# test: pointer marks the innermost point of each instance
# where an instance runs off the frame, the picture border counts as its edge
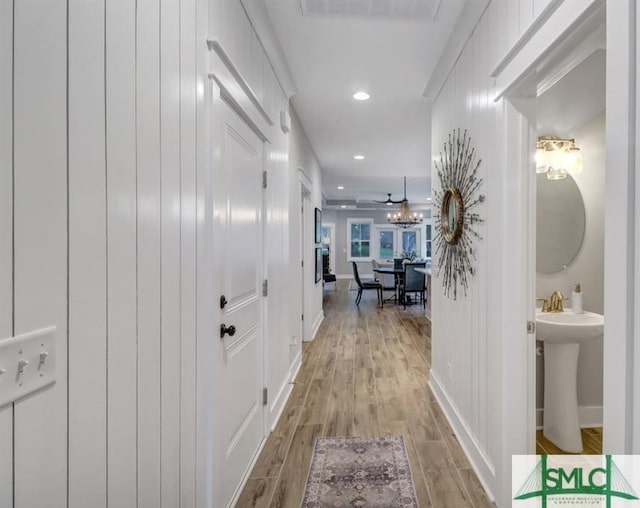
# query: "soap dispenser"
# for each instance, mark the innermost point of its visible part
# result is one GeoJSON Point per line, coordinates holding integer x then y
{"type": "Point", "coordinates": [576, 299]}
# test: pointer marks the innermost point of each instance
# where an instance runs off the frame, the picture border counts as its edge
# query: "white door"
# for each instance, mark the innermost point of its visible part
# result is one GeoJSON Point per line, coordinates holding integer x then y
{"type": "Point", "coordinates": [238, 414]}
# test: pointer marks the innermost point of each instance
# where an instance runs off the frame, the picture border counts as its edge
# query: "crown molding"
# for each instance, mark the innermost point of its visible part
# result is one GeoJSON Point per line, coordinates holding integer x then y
{"type": "Point", "coordinates": [262, 25]}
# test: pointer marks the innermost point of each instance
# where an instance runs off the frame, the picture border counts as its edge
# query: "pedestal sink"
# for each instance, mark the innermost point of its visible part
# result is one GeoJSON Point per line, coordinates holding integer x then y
{"type": "Point", "coordinates": [562, 333]}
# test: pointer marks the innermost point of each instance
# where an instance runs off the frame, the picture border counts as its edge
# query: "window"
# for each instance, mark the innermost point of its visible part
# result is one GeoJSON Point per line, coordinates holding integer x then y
{"type": "Point", "coordinates": [386, 243]}
{"type": "Point", "coordinates": [359, 239]}
{"type": "Point", "coordinates": [410, 243]}
{"type": "Point", "coordinates": [428, 245]}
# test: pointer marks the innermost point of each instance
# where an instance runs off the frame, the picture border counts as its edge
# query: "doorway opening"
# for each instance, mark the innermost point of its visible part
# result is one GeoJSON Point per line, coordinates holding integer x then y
{"type": "Point", "coordinates": [570, 197]}
{"type": "Point", "coordinates": [554, 105]}
{"type": "Point", "coordinates": [306, 261]}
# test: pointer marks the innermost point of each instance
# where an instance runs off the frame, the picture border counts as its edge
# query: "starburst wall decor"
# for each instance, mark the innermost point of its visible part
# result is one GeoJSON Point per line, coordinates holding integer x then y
{"type": "Point", "coordinates": [455, 217]}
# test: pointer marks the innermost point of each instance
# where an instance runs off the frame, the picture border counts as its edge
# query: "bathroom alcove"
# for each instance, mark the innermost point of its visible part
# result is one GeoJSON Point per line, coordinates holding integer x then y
{"type": "Point", "coordinates": [574, 107]}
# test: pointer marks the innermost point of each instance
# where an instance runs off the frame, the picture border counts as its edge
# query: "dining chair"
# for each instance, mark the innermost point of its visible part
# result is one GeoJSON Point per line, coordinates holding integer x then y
{"type": "Point", "coordinates": [375, 266]}
{"type": "Point", "coordinates": [413, 282]}
{"type": "Point", "coordinates": [366, 285]}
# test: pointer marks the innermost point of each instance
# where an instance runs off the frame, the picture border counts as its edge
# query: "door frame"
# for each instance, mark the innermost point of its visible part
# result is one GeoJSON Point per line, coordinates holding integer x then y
{"type": "Point", "coordinates": [332, 236]}
{"type": "Point", "coordinates": [217, 97]}
{"type": "Point", "coordinates": [304, 196]}
{"type": "Point", "coordinates": [621, 248]}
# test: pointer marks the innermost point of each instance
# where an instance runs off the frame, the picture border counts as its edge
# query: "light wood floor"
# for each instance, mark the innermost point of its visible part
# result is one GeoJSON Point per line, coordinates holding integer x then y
{"type": "Point", "coordinates": [365, 374]}
{"type": "Point", "coordinates": [591, 440]}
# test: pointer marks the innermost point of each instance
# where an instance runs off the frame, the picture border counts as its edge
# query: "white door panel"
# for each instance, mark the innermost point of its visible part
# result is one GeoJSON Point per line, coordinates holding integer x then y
{"type": "Point", "coordinates": [238, 358]}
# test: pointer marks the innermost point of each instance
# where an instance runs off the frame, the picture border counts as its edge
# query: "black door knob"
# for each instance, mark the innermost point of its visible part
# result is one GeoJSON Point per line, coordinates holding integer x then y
{"type": "Point", "coordinates": [223, 301]}
{"type": "Point", "coordinates": [224, 330]}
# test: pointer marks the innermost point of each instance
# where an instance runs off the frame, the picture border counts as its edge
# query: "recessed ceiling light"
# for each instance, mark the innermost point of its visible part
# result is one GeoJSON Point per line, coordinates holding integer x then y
{"type": "Point", "coordinates": [428, 199]}
{"type": "Point", "coordinates": [340, 187]}
{"type": "Point", "coordinates": [358, 157]}
{"type": "Point", "coordinates": [361, 96]}
{"type": "Point", "coordinates": [343, 206]}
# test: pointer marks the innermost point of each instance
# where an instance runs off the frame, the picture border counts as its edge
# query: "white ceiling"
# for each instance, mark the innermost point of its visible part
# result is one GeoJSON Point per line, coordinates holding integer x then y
{"type": "Point", "coordinates": [350, 45]}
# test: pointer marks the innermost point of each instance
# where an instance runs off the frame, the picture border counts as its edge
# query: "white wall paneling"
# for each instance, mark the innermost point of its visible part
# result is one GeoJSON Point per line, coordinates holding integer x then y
{"type": "Point", "coordinates": [40, 235]}
{"type": "Point", "coordinates": [87, 256]}
{"type": "Point", "coordinates": [102, 171]}
{"type": "Point", "coordinates": [477, 353]}
{"type": "Point", "coordinates": [6, 235]}
{"type": "Point", "coordinates": [149, 190]}
{"type": "Point", "coordinates": [170, 267]}
{"type": "Point", "coordinates": [122, 301]}
{"type": "Point", "coordinates": [188, 159]}
{"type": "Point", "coordinates": [103, 203]}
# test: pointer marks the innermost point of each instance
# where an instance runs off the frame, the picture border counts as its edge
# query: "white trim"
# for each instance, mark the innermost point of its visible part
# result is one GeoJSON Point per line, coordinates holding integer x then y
{"type": "Point", "coordinates": [217, 46]}
{"type": "Point", "coordinates": [479, 461]}
{"type": "Point", "coordinates": [262, 26]}
{"type": "Point", "coordinates": [316, 325]}
{"type": "Point", "coordinates": [332, 245]}
{"type": "Point", "coordinates": [356, 220]}
{"type": "Point", "coordinates": [595, 42]}
{"type": "Point", "coordinates": [620, 226]}
{"type": "Point", "coordinates": [280, 401]}
{"type": "Point", "coordinates": [526, 36]}
{"type": "Point", "coordinates": [568, 19]}
{"type": "Point", "coordinates": [589, 417]}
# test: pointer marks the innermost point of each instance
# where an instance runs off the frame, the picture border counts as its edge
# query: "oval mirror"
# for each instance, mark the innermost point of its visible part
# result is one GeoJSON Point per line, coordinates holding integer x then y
{"type": "Point", "coordinates": [560, 221]}
{"type": "Point", "coordinates": [452, 213]}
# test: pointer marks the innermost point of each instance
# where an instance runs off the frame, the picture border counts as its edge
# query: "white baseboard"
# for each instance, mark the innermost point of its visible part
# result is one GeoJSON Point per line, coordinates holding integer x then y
{"type": "Point", "coordinates": [479, 462]}
{"type": "Point", "coordinates": [589, 416]}
{"type": "Point", "coordinates": [280, 400]}
{"type": "Point", "coordinates": [316, 325]}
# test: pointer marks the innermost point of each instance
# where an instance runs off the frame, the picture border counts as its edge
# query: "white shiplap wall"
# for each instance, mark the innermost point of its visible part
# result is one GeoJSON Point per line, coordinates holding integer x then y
{"type": "Point", "coordinates": [468, 334]}
{"type": "Point", "coordinates": [6, 234]}
{"type": "Point", "coordinates": [103, 140]}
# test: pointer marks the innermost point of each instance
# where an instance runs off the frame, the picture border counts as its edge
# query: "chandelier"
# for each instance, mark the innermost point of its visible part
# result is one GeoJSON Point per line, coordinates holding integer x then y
{"type": "Point", "coordinates": [557, 157]}
{"type": "Point", "coordinates": [404, 218]}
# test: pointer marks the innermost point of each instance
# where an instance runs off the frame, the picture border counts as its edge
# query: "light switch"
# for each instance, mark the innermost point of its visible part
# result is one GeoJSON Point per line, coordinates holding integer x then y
{"type": "Point", "coordinates": [27, 364]}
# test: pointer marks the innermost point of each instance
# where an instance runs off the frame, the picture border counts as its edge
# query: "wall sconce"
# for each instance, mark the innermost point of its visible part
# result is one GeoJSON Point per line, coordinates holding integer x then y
{"type": "Point", "coordinates": [557, 157]}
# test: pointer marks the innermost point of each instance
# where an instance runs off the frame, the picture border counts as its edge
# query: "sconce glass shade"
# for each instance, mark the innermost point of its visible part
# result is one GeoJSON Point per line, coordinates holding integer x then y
{"type": "Point", "coordinates": [574, 160]}
{"type": "Point", "coordinates": [556, 174]}
{"type": "Point", "coordinates": [542, 165]}
{"type": "Point", "coordinates": [557, 157]}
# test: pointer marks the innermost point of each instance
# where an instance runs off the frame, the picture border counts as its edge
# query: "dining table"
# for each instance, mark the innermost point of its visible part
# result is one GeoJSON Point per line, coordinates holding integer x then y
{"type": "Point", "coordinates": [397, 273]}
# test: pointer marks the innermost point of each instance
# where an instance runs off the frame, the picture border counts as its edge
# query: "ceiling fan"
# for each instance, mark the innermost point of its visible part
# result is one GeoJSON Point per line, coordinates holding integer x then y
{"type": "Point", "coordinates": [389, 201]}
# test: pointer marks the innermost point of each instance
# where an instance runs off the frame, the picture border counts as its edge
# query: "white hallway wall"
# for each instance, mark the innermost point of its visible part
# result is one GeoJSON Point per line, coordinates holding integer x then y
{"type": "Point", "coordinates": [103, 140]}
{"type": "Point", "coordinates": [103, 161]}
{"type": "Point", "coordinates": [469, 372]}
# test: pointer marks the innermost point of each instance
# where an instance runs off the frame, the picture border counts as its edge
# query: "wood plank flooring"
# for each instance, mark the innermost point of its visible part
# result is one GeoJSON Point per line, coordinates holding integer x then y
{"type": "Point", "coordinates": [591, 440]}
{"type": "Point", "coordinates": [365, 374]}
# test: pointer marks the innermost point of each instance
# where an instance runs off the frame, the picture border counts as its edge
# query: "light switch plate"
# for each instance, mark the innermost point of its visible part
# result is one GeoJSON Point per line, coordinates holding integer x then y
{"type": "Point", "coordinates": [27, 364]}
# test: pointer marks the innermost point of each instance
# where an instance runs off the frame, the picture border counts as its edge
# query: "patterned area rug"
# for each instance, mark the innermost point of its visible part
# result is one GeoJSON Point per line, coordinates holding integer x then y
{"type": "Point", "coordinates": [360, 472]}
